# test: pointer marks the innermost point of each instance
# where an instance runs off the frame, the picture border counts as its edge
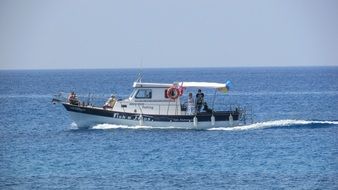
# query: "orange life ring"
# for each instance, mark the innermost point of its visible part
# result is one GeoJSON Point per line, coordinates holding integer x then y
{"type": "Point", "coordinates": [173, 93]}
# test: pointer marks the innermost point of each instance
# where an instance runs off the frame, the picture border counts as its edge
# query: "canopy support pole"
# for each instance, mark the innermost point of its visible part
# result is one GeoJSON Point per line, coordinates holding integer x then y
{"type": "Point", "coordinates": [214, 99]}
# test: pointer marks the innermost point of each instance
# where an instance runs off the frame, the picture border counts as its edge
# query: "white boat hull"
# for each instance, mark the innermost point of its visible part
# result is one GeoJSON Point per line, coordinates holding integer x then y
{"type": "Point", "coordinates": [84, 120]}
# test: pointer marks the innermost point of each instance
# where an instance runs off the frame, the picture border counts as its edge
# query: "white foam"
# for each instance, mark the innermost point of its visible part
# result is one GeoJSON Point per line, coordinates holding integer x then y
{"type": "Point", "coordinates": [73, 125]}
{"type": "Point", "coordinates": [270, 124]}
{"type": "Point", "coordinates": [259, 125]}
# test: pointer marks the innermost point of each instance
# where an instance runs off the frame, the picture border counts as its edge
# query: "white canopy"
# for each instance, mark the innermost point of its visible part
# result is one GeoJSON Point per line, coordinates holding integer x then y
{"type": "Point", "coordinates": [215, 85]}
{"type": "Point", "coordinates": [201, 84]}
{"type": "Point", "coordinates": [151, 85]}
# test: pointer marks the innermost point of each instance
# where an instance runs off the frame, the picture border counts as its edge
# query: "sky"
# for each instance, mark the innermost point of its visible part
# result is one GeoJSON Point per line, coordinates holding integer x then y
{"type": "Point", "coordinates": [84, 34]}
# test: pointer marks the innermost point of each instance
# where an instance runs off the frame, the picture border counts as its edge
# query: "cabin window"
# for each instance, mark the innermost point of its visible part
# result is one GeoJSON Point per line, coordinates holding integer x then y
{"type": "Point", "coordinates": [166, 93]}
{"type": "Point", "coordinates": [144, 94]}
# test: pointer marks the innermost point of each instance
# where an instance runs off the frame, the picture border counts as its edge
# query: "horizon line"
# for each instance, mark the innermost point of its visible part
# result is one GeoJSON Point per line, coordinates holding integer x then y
{"type": "Point", "coordinates": [130, 68]}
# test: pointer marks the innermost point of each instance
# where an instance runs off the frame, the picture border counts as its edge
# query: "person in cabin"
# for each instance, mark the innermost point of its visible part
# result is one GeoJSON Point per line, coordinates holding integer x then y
{"type": "Point", "coordinates": [199, 100]}
{"type": "Point", "coordinates": [110, 102]}
{"type": "Point", "coordinates": [191, 105]}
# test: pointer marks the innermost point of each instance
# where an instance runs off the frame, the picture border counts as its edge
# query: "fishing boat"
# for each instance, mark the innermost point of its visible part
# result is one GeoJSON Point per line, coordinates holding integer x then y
{"type": "Point", "coordinates": [158, 105]}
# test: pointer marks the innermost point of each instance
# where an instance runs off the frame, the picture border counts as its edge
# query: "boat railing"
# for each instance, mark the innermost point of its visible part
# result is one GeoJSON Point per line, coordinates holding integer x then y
{"type": "Point", "coordinates": [60, 97]}
{"type": "Point", "coordinates": [89, 99]}
{"type": "Point", "coordinates": [226, 102]}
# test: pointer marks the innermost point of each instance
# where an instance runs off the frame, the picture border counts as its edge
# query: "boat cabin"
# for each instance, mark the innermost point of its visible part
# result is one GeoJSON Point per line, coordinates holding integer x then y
{"type": "Point", "coordinates": [150, 98]}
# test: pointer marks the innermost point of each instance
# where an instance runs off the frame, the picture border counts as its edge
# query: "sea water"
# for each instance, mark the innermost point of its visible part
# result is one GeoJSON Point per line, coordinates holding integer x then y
{"type": "Point", "coordinates": [292, 142]}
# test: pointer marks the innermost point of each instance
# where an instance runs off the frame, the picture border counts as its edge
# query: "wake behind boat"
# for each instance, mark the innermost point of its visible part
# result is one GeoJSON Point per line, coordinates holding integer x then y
{"type": "Point", "coordinates": [157, 105]}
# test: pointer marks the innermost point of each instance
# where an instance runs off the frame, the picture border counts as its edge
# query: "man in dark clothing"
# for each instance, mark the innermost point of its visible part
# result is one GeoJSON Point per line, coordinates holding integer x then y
{"type": "Point", "coordinates": [199, 100]}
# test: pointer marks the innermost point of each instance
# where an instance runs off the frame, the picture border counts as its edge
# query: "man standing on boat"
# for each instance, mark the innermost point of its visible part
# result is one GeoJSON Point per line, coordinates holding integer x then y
{"type": "Point", "coordinates": [199, 100]}
{"type": "Point", "coordinates": [72, 99]}
{"type": "Point", "coordinates": [110, 102]}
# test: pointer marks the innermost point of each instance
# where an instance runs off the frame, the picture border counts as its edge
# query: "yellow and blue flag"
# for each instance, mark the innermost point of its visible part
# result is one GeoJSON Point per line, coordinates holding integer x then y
{"type": "Point", "coordinates": [225, 89]}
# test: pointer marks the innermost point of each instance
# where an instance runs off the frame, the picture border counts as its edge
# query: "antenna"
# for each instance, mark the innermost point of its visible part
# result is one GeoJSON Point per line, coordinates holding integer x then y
{"type": "Point", "coordinates": [141, 63]}
{"type": "Point", "coordinates": [140, 73]}
{"type": "Point", "coordinates": [139, 77]}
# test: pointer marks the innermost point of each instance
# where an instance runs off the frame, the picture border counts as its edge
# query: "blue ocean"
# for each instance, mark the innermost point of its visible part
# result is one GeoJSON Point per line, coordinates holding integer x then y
{"type": "Point", "coordinates": [291, 143]}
